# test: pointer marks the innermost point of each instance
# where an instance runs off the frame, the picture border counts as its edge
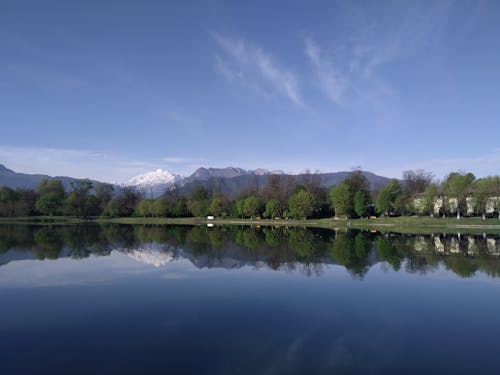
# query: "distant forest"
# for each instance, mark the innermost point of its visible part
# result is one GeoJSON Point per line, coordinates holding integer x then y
{"type": "Point", "coordinates": [281, 197]}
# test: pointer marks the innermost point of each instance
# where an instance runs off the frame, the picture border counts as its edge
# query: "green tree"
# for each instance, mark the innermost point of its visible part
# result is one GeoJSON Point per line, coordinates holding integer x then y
{"type": "Point", "coordinates": [430, 199]}
{"type": "Point", "coordinates": [198, 208]}
{"type": "Point", "coordinates": [198, 202]}
{"type": "Point", "coordinates": [180, 208]}
{"type": "Point", "coordinates": [273, 209]}
{"type": "Point", "coordinates": [8, 199]}
{"type": "Point", "coordinates": [49, 203]}
{"type": "Point", "coordinates": [145, 207]}
{"type": "Point", "coordinates": [360, 203]}
{"type": "Point", "coordinates": [51, 186]}
{"type": "Point", "coordinates": [387, 197]}
{"type": "Point", "coordinates": [301, 204]}
{"type": "Point", "coordinates": [239, 208]}
{"type": "Point", "coordinates": [78, 200]}
{"type": "Point", "coordinates": [458, 186]}
{"type": "Point", "coordinates": [51, 196]}
{"type": "Point", "coordinates": [160, 208]}
{"type": "Point", "coordinates": [340, 198]}
{"type": "Point", "coordinates": [482, 192]}
{"type": "Point", "coordinates": [104, 193]}
{"type": "Point", "coordinates": [251, 206]}
{"type": "Point", "coordinates": [219, 207]}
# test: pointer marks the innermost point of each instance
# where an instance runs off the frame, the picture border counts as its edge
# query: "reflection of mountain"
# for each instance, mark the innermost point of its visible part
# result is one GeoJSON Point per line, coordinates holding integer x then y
{"type": "Point", "coordinates": [276, 248]}
{"type": "Point", "coordinates": [13, 255]}
{"type": "Point", "coordinates": [153, 257]}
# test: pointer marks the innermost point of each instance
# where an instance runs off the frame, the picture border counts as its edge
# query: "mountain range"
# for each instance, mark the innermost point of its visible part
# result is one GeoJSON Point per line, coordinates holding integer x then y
{"type": "Point", "coordinates": [230, 180]}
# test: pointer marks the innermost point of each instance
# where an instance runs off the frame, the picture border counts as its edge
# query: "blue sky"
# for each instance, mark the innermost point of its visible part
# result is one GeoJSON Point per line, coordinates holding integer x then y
{"type": "Point", "coordinates": [111, 89]}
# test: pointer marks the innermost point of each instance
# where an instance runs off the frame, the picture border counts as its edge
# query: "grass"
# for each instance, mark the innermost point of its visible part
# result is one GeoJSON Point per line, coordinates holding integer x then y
{"type": "Point", "coordinates": [404, 224]}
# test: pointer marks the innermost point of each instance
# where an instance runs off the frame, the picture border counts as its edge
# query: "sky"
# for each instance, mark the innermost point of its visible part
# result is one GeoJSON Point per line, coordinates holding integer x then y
{"type": "Point", "coordinates": [108, 90]}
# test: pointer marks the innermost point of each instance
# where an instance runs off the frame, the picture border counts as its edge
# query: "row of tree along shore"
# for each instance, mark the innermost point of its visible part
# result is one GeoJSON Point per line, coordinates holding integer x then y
{"type": "Point", "coordinates": [280, 248]}
{"type": "Point", "coordinates": [418, 193]}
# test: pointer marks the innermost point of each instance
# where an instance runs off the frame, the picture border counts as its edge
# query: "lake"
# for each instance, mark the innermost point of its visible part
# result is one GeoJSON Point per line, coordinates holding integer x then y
{"type": "Point", "coordinates": [179, 299]}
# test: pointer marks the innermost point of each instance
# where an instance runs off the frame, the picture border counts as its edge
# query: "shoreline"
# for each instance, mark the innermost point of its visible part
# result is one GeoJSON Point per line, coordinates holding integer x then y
{"type": "Point", "coordinates": [408, 225]}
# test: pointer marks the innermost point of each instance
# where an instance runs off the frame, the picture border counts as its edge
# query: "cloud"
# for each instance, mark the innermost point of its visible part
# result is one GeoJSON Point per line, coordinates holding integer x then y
{"type": "Point", "coordinates": [253, 67]}
{"type": "Point", "coordinates": [349, 65]}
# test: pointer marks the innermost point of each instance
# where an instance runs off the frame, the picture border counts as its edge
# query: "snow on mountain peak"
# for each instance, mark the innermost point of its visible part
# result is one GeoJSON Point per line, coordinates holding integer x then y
{"type": "Point", "coordinates": [158, 177]}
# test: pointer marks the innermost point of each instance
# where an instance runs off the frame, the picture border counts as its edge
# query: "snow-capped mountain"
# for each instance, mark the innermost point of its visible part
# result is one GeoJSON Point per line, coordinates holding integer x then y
{"type": "Point", "coordinates": [160, 176]}
{"type": "Point", "coordinates": [154, 183]}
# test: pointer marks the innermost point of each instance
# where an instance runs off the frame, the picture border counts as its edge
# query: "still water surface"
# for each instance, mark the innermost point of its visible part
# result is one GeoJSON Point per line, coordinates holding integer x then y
{"type": "Point", "coordinates": [176, 299]}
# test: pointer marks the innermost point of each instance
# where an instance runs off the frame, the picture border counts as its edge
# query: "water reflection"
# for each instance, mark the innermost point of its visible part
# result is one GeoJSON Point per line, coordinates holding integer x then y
{"type": "Point", "coordinates": [306, 250]}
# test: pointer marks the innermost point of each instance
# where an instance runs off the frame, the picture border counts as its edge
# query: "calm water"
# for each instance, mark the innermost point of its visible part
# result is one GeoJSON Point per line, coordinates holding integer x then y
{"type": "Point", "coordinates": [169, 299]}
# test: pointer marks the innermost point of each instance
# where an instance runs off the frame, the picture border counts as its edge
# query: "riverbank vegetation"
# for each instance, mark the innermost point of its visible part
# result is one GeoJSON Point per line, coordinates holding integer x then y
{"type": "Point", "coordinates": [282, 198]}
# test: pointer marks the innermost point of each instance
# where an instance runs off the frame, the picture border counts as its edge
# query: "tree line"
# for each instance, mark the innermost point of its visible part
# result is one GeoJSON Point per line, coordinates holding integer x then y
{"type": "Point", "coordinates": [418, 192]}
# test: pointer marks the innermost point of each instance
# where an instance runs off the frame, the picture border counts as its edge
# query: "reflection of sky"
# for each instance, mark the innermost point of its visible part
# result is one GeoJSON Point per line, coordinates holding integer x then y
{"type": "Point", "coordinates": [179, 318]}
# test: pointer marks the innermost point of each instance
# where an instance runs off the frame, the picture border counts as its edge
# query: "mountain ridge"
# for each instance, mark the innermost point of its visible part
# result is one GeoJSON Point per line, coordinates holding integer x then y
{"type": "Point", "coordinates": [229, 180]}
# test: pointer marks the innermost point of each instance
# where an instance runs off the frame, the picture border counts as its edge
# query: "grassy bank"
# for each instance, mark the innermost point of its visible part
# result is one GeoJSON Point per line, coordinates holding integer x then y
{"type": "Point", "coordinates": [396, 224]}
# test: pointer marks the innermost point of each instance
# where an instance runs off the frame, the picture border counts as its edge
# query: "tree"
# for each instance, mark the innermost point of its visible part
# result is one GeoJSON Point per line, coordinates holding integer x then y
{"type": "Point", "coordinates": [357, 182]}
{"type": "Point", "coordinates": [49, 203]}
{"type": "Point", "coordinates": [458, 185]}
{"type": "Point", "coordinates": [239, 208]}
{"type": "Point", "coordinates": [8, 198]}
{"type": "Point", "coordinates": [219, 207]}
{"type": "Point", "coordinates": [25, 205]}
{"type": "Point", "coordinates": [51, 196]}
{"type": "Point", "coordinates": [198, 201]}
{"type": "Point", "coordinates": [198, 208]}
{"type": "Point", "coordinates": [484, 191]}
{"type": "Point", "coordinates": [51, 186]}
{"type": "Point", "coordinates": [387, 197]}
{"type": "Point", "coordinates": [160, 208]}
{"type": "Point", "coordinates": [180, 208]}
{"type": "Point", "coordinates": [301, 204]}
{"type": "Point", "coordinates": [360, 203]}
{"type": "Point", "coordinates": [340, 198]}
{"type": "Point", "coordinates": [251, 206]}
{"type": "Point", "coordinates": [416, 181]}
{"type": "Point", "coordinates": [430, 199]}
{"type": "Point", "coordinates": [273, 209]}
{"type": "Point", "coordinates": [104, 193]}
{"type": "Point", "coordinates": [145, 208]}
{"type": "Point", "coordinates": [78, 200]}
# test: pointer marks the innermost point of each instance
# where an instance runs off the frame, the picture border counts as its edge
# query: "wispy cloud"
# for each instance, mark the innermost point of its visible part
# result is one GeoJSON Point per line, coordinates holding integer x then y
{"type": "Point", "coordinates": [253, 67]}
{"type": "Point", "coordinates": [349, 65]}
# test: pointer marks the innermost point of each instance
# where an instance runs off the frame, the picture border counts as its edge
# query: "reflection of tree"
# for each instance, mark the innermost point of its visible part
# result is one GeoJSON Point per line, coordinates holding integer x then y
{"type": "Point", "coordinates": [197, 240]}
{"type": "Point", "coordinates": [461, 265]}
{"type": "Point", "coordinates": [248, 238]}
{"type": "Point", "coordinates": [285, 249]}
{"type": "Point", "coordinates": [49, 243]}
{"type": "Point", "coordinates": [344, 251]}
{"type": "Point", "coordinates": [388, 252]}
{"type": "Point", "coordinates": [416, 263]}
{"type": "Point", "coordinates": [273, 237]}
{"type": "Point", "coordinates": [301, 242]}
{"type": "Point", "coordinates": [83, 240]}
